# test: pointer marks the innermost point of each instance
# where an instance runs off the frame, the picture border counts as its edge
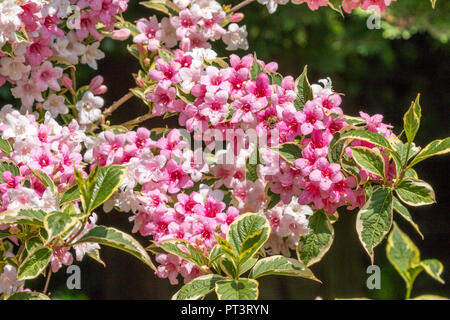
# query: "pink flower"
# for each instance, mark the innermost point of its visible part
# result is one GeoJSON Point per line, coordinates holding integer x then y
{"type": "Point", "coordinates": [148, 32]}
{"type": "Point", "coordinates": [166, 71]}
{"type": "Point", "coordinates": [47, 76]}
{"type": "Point", "coordinates": [215, 106]}
{"type": "Point", "coordinates": [176, 179]}
{"type": "Point", "coordinates": [245, 109]}
{"type": "Point", "coordinates": [324, 174]}
{"type": "Point", "coordinates": [38, 51]}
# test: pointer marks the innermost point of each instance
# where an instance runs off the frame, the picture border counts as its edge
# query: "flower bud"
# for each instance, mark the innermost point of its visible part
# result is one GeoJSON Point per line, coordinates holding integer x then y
{"type": "Point", "coordinates": [66, 81]}
{"type": "Point", "coordinates": [96, 85]}
{"type": "Point", "coordinates": [236, 17]}
{"type": "Point", "coordinates": [121, 34]}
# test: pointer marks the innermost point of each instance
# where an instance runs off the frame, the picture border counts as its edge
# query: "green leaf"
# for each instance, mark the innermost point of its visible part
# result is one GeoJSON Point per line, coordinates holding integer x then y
{"type": "Point", "coordinates": [375, 219]}
{"type": "Point", "coordinates": [95, 255]}
{"type": "Point", "coordinates": [6, 165]}
{"type": "Point", "coordinates": [242, 289]}
{"type": "Point", "coordinates": [434, 148]}
{"type": "Point", "coordinates": [251, 165]}
{"type": "Point", "coordinates": [227, 248]}
{"type": "Point", "coordinates": [56, 223]}
{"type": "Point", "coordinates": [280, 265]}
{"type": "Point", "coordinates": [33, 243]}
{"type": "Point", "coordinates": [185, 250]}
{"type": "Point", "coordinates": [411, 119]}
{"type": "Point", "coordinates": [5, 147]}
{"type": "Point", "coordinates": [73, 194]}
{"type": "Point", "coordinates": [23, 216]}
{"type": "Point", "coordinates": [34, 263]}
{"type": "Point", "coordinates": [255, 69]}
{"type": "Point", "coordinates": [370, 160]}
{"type": "Point", "coordinates": [303, 90]}
{"type": "Point", "coordinates": [243, 237]}
{"type": "Point", "coordinates": [313, 246]}
{"type": "Point", "coordinates": [372, 137]}
{"type": "Point", "coordinates": [197, 288]}
{"type": "Point", "coordinates": [28, 296]}
{"type": "Point", "coordinates": [403, 211]}
{"type": "Point", "coordinates": [405, 151]}
{"type": "Point", "coordinates": [165, 54]}
{"type": "Point", "coordinates": [44, 179]}
{"type": "Point", "coordinates": [228, 266]}
{"type": "Point", "coordinates": [434, 269]}
{"type": "Point", "coordinates": [415, 192]}
{"type": "Point", "coordinates": [251, 245]}
{"type": "Point", "coordinates": [289, 151]}
{"type": "Point", "coordinates": [403, 254]}
{"type": "Point", "coordinates": [100, 185]}
{"type": "Point", "coordinates": [247, 265]}
{"type": "Point", "coordinates": [117, 239]}
{"type": "Point", "coordinates": [160, 6]}
{"type": "Point", "coordinates": [274, 199]}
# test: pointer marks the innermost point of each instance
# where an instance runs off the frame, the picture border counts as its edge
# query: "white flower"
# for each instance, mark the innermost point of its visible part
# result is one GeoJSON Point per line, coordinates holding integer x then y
{"type": "Point", "coordinates": [272, 4]}
{"type": "Point", "coordinates": [49, 201]}
{"type": "Point", "coordinates": [194, 164]}
{"type": "Point", "coordinates": [324, 89]}
{"type": "Point", "coordinates": [190, 76]}
{"type": "Point", "coordinates": [14, 68]}
{"type": "Point", "coordinates": [92, 54]}
{"type": "Point", "coordinates": [18, 127]}
{"type": "Point", "coordinates": [55, 104]}
{"type": "Point", "coordinates": [168, 33]}
{"type": "Point", "coordinates": [236, 37]}
{"type": "Point", "coordinates": [9, 20]}
{"type": "Point", "coordinates": [205, 191]}
{"type": "Point", "coordinates": [23, 197]}
{"type": "Point", "coordinates": [22, 149]}
{"type": "Point", "coordinates": [60, 7]}
{"type": "Point", "coordinates": [69, 47]}
{"type": "Point", "coordinates": [182, 3]}
{"type": "Point", "coordinates": [8, 280]}
{"type": "Point", "coordinates": [89, 108]}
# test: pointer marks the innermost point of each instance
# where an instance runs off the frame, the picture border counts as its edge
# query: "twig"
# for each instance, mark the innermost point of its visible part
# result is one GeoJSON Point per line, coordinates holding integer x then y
{"type": "Point", "coordinates": [117, 104]}
{"type": "Point", "coordinates": [241, 5]}
{"type": "Point", "coordinates": [48, 280]}
{"type": "Point", "coordinates": [138, 120]}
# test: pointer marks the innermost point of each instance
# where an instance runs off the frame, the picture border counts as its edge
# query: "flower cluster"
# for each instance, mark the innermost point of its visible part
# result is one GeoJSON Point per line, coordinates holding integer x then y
{"type": "Point", "coordinates": [347, 5]}
{"type": "Point", "coordinates": [40, 40]}
{"type": "Point", "coordinates": [197, 23]}
{"type": "Point", "coordinates": [40, 148]}
{"type": "Point", "coordinates": [158, 189]}
{"type": "Point", "coordinates": [226, 101]}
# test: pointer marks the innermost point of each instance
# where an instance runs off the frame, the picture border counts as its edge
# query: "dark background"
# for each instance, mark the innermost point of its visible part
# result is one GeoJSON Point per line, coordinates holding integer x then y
{"type": "Point", "coordinates": [377, 75]}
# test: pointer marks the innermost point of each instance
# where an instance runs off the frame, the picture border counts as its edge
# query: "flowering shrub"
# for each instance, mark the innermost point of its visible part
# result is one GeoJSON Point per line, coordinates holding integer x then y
{"type": "Point", "coordinates": [251, 181]}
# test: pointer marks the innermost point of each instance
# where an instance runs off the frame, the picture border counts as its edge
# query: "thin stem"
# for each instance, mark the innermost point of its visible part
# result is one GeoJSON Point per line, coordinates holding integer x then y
{"type": "Point", "coordinates": [117, 104]}
{"type": "Point", "coordinates": [138, 120]}
{"type": "Point", "coordinates": [408, 292]}
{"type": "Point", "coordinates": [241, 5]}
{"type": "Point", "coordinates": [47, 282]}
{"type": "Point", "coordinates": [74, 79]}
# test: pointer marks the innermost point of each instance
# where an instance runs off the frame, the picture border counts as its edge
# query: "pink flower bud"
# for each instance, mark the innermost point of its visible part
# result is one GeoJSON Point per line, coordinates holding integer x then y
{"type": "Point", "coordinates": [96, 82]}
{"type": "Point", "coordinates": [96, 85]}
{"type": "Point", "coordinates": [66, 81]}
{"type": "Point", "coordinates": [237, 17]}
{"type": "Point", "coordinates": [140, 82]}
{"type": "Point", "coordinates": [121, 34]}
{"type": "Point", "coordinates": [272, 66]}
